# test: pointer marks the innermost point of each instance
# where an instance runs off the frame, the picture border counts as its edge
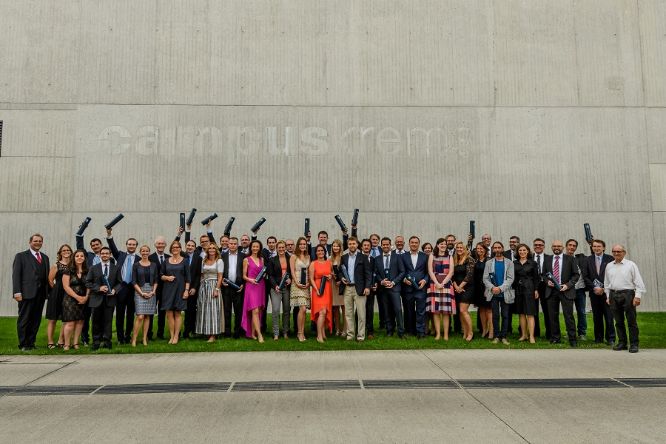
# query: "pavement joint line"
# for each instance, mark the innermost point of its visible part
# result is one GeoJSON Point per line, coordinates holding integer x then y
{"type": "Point", "coordinates": [231, 386]}
{"type": "Point", "coordinates": [621, 382]}
{"type": "Point", "coordinates": [49, 373]}
{"type": "Point", "coordinates": [97, 390]}
{"type": "Point", "coordinates": [360, 382]}
{"type": "Point", "coordinates": [468, 393]}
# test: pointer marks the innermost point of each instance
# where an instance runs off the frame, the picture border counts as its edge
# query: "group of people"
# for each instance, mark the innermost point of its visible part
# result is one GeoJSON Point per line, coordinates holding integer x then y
{"type": "Point", "coordinates": [419, 289]}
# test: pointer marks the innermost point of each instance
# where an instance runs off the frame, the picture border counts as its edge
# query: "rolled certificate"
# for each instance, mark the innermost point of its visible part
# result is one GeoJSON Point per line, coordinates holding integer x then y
{"type": "Point", "coordinates": [231, 284]}
{"type": "Point", "coordinates": [491, 276]}
{"type": "Point", "coordinates": [283, 281]}
{"type": "Point", "coordinates": [345, 273]}
{"type": "Point", "coordinates": [83, 226]}
{"type": "Point", "coordinates": [354, 221]}
{"type": "Point", "coordinates": [472, 228]}
{"type": "Point", "coordinates": [190, 218]}
{"type": "Point", "coordinates": [342, 225]}
{"type": "Point", "coordinates": [209, 219]}
{"type": "Point", "coordinates": [260, 275]}
{"type": "Point", "coordinates": [227, 227]}
{"type": "Point", "coordinates": [258, 225]}
{"type": "Point", "coordinates": [105, 280]}
{"type": "Point", "coordinates": [412, 281]}
{"type": "Point", "coordinates": [115, 220]}
{"type": "Point", "coordinates": [322, 286]}
{"type": "Point", "coordinates": [588, 233]}
{"type": "Point", "coordinates": [182, 221]}
{"type": "Point", "coordinates": [304, 276]}
{"type": "Point", "coordinates": [551, 278]}
{"type": "Point", "coordinates": [306, 230]}
{"type": "Point", "coordinates": [598, 284]}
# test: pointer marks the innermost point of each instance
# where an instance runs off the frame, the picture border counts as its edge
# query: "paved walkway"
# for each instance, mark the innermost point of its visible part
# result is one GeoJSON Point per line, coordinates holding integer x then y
{"type": "Point", "coordinates": [383, 396]}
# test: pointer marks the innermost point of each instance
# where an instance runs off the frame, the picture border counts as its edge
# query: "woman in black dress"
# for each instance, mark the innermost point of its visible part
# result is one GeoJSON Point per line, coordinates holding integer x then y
{"type": "Point", "coordinates": [175, 273]}
{"type": "Point", "coordinates": [54, 304]}
{"type": "Point", "coordinates": [75, 299]}
{"type": "Point", "coordinates": [485, 311]}
{"type": "Point", "coordinates": [525, 284]}
{"type": "Point", "coordinates": [463, 283]}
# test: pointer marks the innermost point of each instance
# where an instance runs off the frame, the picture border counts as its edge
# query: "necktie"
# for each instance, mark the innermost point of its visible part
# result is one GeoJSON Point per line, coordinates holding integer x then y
{"type": "Point", "coordinates": [39, 258]}
{"type": "Point", "coordinates": [539, 263]}
{"type": "Point", "coordinates": [161, 259]}
{"type": "Point", "coordinates": [190, 259]}
{"type": "Point", "coordinates": [106, 270]}
{"type": "Point", "coordinates": [127, 271]}
{"type": "Point", "coordinates": [386, 262]}
{"type": "Point", "coordinates": [598, 264]}
{"type": "Point", "coordinates": [556, 269]}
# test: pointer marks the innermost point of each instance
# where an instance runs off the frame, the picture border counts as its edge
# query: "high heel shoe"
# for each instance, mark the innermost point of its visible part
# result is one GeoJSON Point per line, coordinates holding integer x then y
{"type": "Point", "coordinates": [133, 343]}
{"type": "Point", "coordinates": [261, 339]}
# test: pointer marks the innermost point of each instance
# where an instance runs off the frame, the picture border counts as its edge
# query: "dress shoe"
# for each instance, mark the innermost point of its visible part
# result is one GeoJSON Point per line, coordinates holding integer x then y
{"type": "Point", "coordinates": [401, 336]}
{"type": "Point", "coordinates": [573, 344]}
{"type": "Point", "coordinates": [504, 341]}
{"type": "Point", "coordinates": [25, 349]}
{"type": "Point", "coordinates": [611, 343]}
{"type": "Point", "coordinates": [619, 346]}
{"type": "Point", "coordinates": [236, 335]}
{"type": "Point", "coordinates": [371, 336]}
{"type": "Point", "coordinates": [555, 341]}
{"type": "Point", "coordinates": [95, 346]}
{"type": "Point", "coordinates": [633, 348]}
{"type": "Point", "coordinates": [598, 341]}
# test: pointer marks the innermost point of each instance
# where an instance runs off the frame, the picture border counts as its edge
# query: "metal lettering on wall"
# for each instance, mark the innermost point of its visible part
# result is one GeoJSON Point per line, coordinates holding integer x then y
{"type": "Point", "coordinates": [188, 141]}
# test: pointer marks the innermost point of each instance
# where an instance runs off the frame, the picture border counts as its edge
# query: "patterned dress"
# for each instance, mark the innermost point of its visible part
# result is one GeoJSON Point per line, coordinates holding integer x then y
{"type": "Point", "coordinates": [440, 300]}
{"type": "Point", "coordinates": [71, 309]}
{"type": "Point", "coordinates": [56, 296]}
{"type": "Point", "coordinates": [300, 297]}
{"type": "Point", "coordinates": [209, 307]}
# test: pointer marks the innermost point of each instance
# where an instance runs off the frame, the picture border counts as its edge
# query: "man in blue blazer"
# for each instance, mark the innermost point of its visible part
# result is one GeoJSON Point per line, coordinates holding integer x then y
{"type": "Point", "coordinates": [390, 273]}
{"type": "Point", "coordinates": [416, 279]}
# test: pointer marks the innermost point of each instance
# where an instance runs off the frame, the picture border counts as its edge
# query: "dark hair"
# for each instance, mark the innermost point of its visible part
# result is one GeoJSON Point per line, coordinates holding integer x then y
{"type": "Point", "coordinates": [95, 239]}
{"type": "Point", "coordinates": [495, 243]}
{"type": "Point", "coordinates": [261, 247]}
{"type": "Point", "coordinates": [515, 237]}
{"type": "Point", "coordinates": [414, 237]}
{"type": "Point", "coordinates": [482, 245]}
{"type": "Point", "coordinates": [571, 240]}
{"type": "Point", "coordinates": [523, 245]}
{"type": "Point", "coordinates": [539, 239]}
{"type": "Point", "coordinates": [104, 248]}
{"type": "Point", "coordinates": [435, 250]}
{"type": "Point", "coordinates": [322, 232]}
{"type": "Point", "coordinates": [233, 238]}
{"type": "Point", "coordinates": [423, 247]}
{"type": "Point", "coordinates": [450, 235]}
{"type": "Point", "coordinates": [36, 235]}
{"type": "Point", "coordinates": [318, 247]}
{"type": "Point", "coordinates": [271, 237]}
{"type": "Point", "coordinates": [352, 238]}
{"type": "Point", "coordinates": [173, 244]}
{"type": "Point", "coordinates": [385, 238]}
{"type": "Point", "coordinates": [191, 241]}
{"type": "Point", "coordinates": [59, 254]}
{"type": "Point", "coordinates": [600, 241]}
{"type": "Point", "coordinates": [131, 238]}
{"type": "Point", "coordinates": [84, 265]}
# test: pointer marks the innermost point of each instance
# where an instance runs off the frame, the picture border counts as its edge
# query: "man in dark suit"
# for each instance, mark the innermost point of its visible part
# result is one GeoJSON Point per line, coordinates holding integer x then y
{"type": "Point", "coordinates": [125, 296]}
{"type": "Point", "coordinates": [322, 236]}
{"type": "Point", "coordinates": [92, 258]}
{"type": "Point", "coordinates": [356, 289]}
{"type": "Point", "coordinates": [594, 271]}
{"type": "Point", "coordinates": [231, 297]}
{"type": "Point", "coordinates": [268, 252]}
{"type": "Point", "coordinates": [104, 281]}
{"type": "Point", "coordinates": [564, 273]}
{"type": "Point", "coordinates": [366, 249]}
{"type": "Point", "coordinates": [30, 286]}
{"type": "Point", "coordinates": [541, 258]}
{"type": "Point", "coordinates": [374, 251]}
{"type": "Point", "coordinates": [391, 272]}
{"type": "Point", "coordinates": [414, 296]}
{"type": "Point", "coordinates": [158, 257]}
{"type": "Point", "coordinates": [194, 260]}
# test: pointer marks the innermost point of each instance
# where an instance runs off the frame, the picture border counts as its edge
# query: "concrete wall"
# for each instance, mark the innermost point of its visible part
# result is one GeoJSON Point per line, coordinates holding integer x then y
{"type": "Point", "coordinates": [530, 117]}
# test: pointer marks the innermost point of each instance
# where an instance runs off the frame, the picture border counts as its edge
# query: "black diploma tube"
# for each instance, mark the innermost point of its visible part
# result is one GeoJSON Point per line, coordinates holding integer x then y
{"type": "Point", "coordinates": [412, 281]}
{"type": "Point", "coordinates": [345, 273]}
{"type": "Point", "coordinates": [260, 275]}
{"type": "Point", "coordinates": [283, 280]}
{"type": "Point", "coordinates": [227, 227]}
{"type": "Point", "coordinates": [304, 276]}
{"type": "Point", "coordinates": [588, 233]}
{"type": "Point", "coordinates": [231, 284]}
{"type": "Point", "coordinates": [258, 225]}
{"type": "Point", "coordinates": [182, 221]}
{"type": "Point", "coordinates": [354, 221]}
{"type": "Point", "coordinates": [190, 218]}
{"type": "Point", "coordinates": [338, 219]}
{"type": "Point", "coordinates": [472, 228]}
{"type": "Point", "coordinates": [105, 280]}
{"type": "Point", "coordinates": [322, 286]}
{"type": "Point", "coordinates": [491, 276]}
{"type": "Point", "coordinates": [209, 219]}
{"type": "Point", "coordinates": [306, 229]}
{"type": "Point", "coordinates": [83, 226]}
{"type": "Point", "coordinates": [551, 278]}
{"type": "Point", "coordinates": [115, 220]}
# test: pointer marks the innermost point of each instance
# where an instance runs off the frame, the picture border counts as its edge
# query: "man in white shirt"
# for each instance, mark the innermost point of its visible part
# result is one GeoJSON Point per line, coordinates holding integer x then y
{"type": "Point", "coordinates": [624, 288]}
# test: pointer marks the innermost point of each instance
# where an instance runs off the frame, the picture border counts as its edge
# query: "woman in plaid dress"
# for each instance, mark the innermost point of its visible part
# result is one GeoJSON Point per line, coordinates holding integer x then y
{"type": "Point", "coordinates": [440, 300]}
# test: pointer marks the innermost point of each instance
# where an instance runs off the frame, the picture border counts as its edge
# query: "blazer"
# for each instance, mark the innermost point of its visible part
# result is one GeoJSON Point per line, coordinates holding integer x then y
{"type": "Point", "coordinates": [239, 267]}
{"type": "Point", "coordinates": [120, 256]}
{"type": "Point", "coordinates": [95, 279]}
{"type": "Point", "coordinates": [568, 276]}
{"type": "Point", "coordinates": [362, 272]}
{"type": "Point", "coordinates": [27, 278]}
{"type": "Point", "coordinates": [90, 256]}
{"type": "Point", "coordinates": [507, 285]}
{"type": "Point", "coordinates": [589, 270]}
{"type": "Point", "coordinates": [313, 251]}
{"type": "Point", "coordinates": [418, 273]}
{"type": "Point", "coordinates": [274, 270]}
{"type": "Point", "coordinates": [396, 272]}
{"type": "Point", "coordinates": [195, 270]}
{"type": "Point", "coordinates": [154, 258]}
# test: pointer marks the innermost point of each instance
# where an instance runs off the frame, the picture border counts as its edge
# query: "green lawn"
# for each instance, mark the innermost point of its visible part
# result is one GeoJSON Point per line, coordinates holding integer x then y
{"type": "Point", "coordinates": [652, 335]}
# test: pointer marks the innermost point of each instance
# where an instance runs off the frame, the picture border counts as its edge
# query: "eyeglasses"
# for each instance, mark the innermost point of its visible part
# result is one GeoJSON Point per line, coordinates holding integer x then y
{"type": "Point", "coordinates": [617, 251]}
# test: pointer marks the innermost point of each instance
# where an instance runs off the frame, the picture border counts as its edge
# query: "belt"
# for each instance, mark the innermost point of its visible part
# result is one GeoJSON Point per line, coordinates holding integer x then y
{"type": "Point", "coordinates": [621, 291]}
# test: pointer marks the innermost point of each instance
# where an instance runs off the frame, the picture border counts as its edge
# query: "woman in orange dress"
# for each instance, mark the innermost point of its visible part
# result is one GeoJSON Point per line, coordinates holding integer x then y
{"type": "Point", "coordinates": [321, 305]}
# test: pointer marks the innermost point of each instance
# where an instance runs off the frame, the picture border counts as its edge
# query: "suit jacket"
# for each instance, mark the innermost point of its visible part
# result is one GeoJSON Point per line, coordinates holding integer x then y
{"type": "Point", "coordinates": [95, 279]}
{"type": "Point", "coordinates": [362, 271]}
{"type": "Point", "coordinates": [239, 267]}
{"type": "Point", "coordinates": [90, 256]}
{"type": "Point", "coordinates": [396, 271]}
{"type": "Point", "coordinates": [418, 273]}
{"type": "Point", "coordinates": [28, 278]}
{"type": "Point", "coordinates": [510, 254]}
{"type": "Point", "coordinates": [589, 270]}
{"type": "Point", "coordinates": [154, 258]}
{"type": "Point", "coordinates": [274, 270]}
{"type": "Point", "coordinates": [195, 271]}
{"type": "Point", "coordinates": [120, 256]}
{"type": "Point", "coordinates": [568, 275]}
{"type": "Point", "coordinates": [313, 251]}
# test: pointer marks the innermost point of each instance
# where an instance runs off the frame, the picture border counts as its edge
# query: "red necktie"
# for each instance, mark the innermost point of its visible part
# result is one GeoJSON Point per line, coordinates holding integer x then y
{"type": "Point", "coordinates": [39, 258]}
{"type": "Point", "coordinates": [556, 269]}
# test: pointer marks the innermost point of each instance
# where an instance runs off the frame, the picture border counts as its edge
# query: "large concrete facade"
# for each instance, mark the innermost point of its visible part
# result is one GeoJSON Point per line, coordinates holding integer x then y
{"type": "Point", "coordinates": [531, 117]}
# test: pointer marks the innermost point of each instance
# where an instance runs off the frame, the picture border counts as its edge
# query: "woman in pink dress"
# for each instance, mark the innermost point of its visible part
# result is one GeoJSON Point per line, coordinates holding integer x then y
{"type": "Point", "coordinates": [253, 303]}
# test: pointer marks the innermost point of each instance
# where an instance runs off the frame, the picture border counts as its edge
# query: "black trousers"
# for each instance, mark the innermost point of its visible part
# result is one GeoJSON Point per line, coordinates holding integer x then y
{"type": "Point", "coordinates": [554, 302]}
{"type": "Point", "coordinates": [232, 299]}
{"type": "Point", "coordinates": [409, 306]}
{"type": "Point", "coordinates": [102, 318]}
{"type": "Point", "coordinates": [621, 304]}
{"type": "Point", "coordinates": [546, 315]}
{"type": "Point", "coordinates": [392, 311]}
{"type": "Point", "coordinates": [370, 313]}
{"type": "Point", "coordinates": [380, 308]}
{"type": "Point", "coordinates": [602, 318]}
{"type": "Point", "coordinates": [85, 333]}
{"type": "Point", "coordinates": [161, 317]}
{"type": "Point", "coordinates": [29, 318]}
{"type": "Point", "coordinates": [190, 316]}
{"type": "Point", "coordinates": [125, 313]}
